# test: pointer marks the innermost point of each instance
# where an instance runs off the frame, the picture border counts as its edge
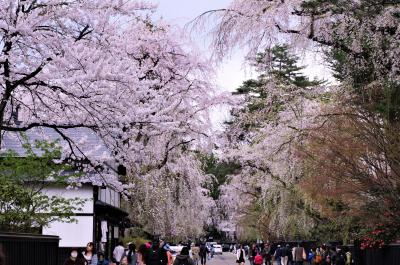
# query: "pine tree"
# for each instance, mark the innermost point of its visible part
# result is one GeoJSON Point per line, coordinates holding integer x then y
{"type": "Point", "coordinates": [279, 65]}
{"type": "Point", "coordinates": [285, 70]}
{"type": "Point", "coordinates": [276, 65]}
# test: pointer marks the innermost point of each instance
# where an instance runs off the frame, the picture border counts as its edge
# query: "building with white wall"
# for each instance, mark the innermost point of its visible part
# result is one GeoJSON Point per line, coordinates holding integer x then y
{"type": "Point", "coordinates": [101, 219]}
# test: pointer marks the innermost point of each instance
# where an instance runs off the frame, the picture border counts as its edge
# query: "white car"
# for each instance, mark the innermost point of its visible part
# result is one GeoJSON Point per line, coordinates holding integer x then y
{"type": "Point", "coordinates": [175, 250]}
{"type": "Point", "coordinates": [217, 249]}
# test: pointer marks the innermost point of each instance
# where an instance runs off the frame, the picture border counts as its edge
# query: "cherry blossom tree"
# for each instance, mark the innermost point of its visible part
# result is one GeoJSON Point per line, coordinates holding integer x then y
{"type": "Point", "coordinates": [105, 66]}
{"type": "Point", "coordinates": [172, 201]}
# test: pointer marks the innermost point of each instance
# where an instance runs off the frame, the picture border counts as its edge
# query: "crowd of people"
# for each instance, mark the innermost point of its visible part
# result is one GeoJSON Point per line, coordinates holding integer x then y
{"type": "Point", "coordinates": [266, 254]}
{"type": "Point", "coordinates": [159, 252]}
{"type": "Point", "coordinates": [156, 252]}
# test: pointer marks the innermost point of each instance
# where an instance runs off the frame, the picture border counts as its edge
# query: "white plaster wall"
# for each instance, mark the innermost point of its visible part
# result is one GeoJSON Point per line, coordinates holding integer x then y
{"type": "Point", "coordinates": [85, 192]}
{"type": "Point", "coordinates": [72, 234]}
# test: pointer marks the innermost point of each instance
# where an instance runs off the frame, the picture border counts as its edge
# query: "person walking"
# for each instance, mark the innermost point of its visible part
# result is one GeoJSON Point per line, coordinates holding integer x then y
{"type": "Point", "coordinates": [285, 255]}
{"type": "Point", "coordinates": [278, 254]}
{"type": "Point", "coordinates": [203, 253]}
{"type": "Point", "coordinates": [349, 258]}
{"type": "Point", "coordinates": [299, 255]}
{"type": "Point", "coordinates": [266, 253]}
{"type": "Point", "coordinates": [252, 253]}
{"type": "Point", "coordinates": [183, 258]}
{"type": "Point", "coordinates": [318, 256]}
{"type": "Point", "coordinates": [196, 253]}
{"type": "Point", "coordinates": [240, 254]}
{"type": "Point", "coordinates": [119, 252]}
{"type": "Point", "coordinates": [311, 256]}
{"type": "Point", "coordinates": [167, 249]}
{"type": "Point", "coordinates": [330, 255]}
{"type": "Point", "coordinates": [90, 255]}
{"type": "Point", "coordinates": [290, 258]}
{"type": "Point", "coordinates": [73, 258]}
{"type": "Point", "coordinates": [258, 259]}
{"type": "Point", "coordinates": [131, 254]}
{"type": "Point", "coordinates": [326, 255]}
{"type": "Point", "coordinates": [142, 252]}
{"type": "Point", "coordinates": [340, 257]}
{"type": "Point", "coordinates": [156, 255]}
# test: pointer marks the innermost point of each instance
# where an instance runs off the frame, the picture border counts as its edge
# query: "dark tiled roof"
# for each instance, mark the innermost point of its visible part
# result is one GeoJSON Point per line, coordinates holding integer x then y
{"type": "Point", "coordinates": [86, 140]}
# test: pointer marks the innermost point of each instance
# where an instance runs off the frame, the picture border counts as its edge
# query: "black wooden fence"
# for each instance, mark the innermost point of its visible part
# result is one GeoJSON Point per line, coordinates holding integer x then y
{"type": "Point", "coordinates": [388, 255]}
{"type": "Point", "coordinates": [29, 249]}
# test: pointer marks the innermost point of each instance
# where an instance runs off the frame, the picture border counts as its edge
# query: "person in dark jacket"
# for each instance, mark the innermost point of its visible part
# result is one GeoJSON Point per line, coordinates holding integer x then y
{"type": "Point", "coordinates": [74, 259]}
{"type": "Point", "coordinates": [183, 258]}
{"type": "Point", "coordinates": [278, 254]}
{"type": "Point", "coordinates": [131, 254]}
{"type": "Point", "coordinates": [203, 253]}
{"type": "Point", "coordinates": [156, 255]}
{"type": "Point", "coordinates": [340, 257]}
{"type": "Point", "coordinates": [285, 255]}
{"type": "Point", "coordinates": [328, 256]}
{"type": "Point", "coordinates": [253, 253]}
{"type": "Point", "coordinates": [266, 253]}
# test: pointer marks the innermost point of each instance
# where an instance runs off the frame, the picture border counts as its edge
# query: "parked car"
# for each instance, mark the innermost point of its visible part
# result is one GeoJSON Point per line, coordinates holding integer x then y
{"type": "Point", "coordinates": [175, 249]}
{"type": "Point", "coordinates": [218, 249]}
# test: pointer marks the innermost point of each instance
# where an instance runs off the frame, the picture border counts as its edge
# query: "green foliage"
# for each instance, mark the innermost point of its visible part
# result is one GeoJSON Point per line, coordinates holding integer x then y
{"type": "Point", "coordinates": [138, 241]}
{"type": "Point", "coordinates": [212, 231]}
{"type": "Point", "coordinates": [345, 229]}
{"type": "Point", "coordinates": [249, 86]}
{"type": "Point", "coordinates": [284, 68]}
{"type": "Point", "coordinates": [24, 205]}
{"type": "Point", "coordinates": [279, 66]}
{"type": "Point", "coordinates": [220, 170]}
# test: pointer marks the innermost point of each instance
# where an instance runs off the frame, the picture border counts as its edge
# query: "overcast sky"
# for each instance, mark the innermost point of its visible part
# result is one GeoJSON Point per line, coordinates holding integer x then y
{"type": "Point", "coordinates": [180, 12]}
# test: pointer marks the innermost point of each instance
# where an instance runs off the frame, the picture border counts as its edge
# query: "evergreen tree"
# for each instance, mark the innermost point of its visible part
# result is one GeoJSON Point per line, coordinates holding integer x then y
{"type": "Point", "coordinates": [220, 170]}
{"type": "Point", "coordinates": [284, 68]}
{"type": "Point", "coordinates": [280, 66]}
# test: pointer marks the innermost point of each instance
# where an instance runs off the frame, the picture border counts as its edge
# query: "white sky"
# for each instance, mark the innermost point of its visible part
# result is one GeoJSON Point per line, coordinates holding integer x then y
{"type": "Point", "coordinates": [231, 72]}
